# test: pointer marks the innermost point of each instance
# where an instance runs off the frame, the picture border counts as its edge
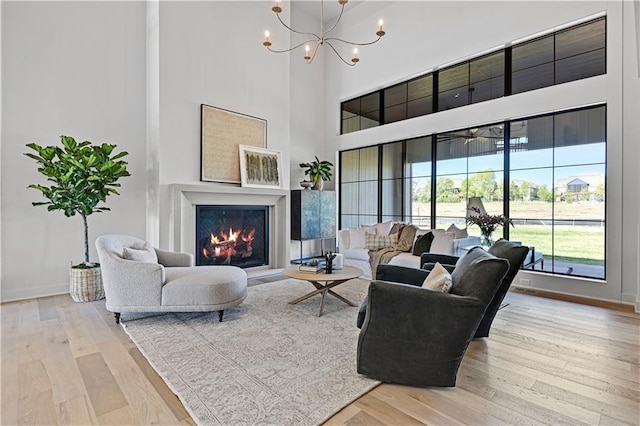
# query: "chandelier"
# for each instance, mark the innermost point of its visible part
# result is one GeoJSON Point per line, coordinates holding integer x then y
{"type": "Point", "coordinates": [316, 40]}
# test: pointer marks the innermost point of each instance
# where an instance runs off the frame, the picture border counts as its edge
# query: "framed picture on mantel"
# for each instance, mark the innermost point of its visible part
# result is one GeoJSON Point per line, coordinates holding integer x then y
{"type": "Point", "coordinates": [221, 134]}
{"type": "Point", "coordinates": [260, 168]}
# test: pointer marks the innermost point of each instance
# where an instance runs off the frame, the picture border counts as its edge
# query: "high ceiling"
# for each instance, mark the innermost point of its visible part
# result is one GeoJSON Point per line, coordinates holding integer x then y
{"type": "Point", "coordinates": [331, 7]}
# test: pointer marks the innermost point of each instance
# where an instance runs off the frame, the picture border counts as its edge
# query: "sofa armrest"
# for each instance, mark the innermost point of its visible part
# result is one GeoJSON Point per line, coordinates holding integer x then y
{"type": "Point", "coordinates": [343, 240]}
{"type": "Point", "coordinates": [443, 259]}
{"type": "Point", "coordinates": [401, 274]}
{"type": "Point", "coordinates": [132, 283]}
{"type": "Point", "coordinates": [428, 266]}
{"type": "Point", "coordinates": [171, 258]}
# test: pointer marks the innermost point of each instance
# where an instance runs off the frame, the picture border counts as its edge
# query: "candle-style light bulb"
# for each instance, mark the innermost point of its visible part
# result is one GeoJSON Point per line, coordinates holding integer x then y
{"type": "Point", "coordinates": [277, 8]}
{"type": "Point", "coordinates": [380, 31]}
{"type": "Point", "coordinates": [266, 41]}
{"type": "Point", "coordinates": [355, 56]}
{"type": "Point", "coordinates": [307, 56]}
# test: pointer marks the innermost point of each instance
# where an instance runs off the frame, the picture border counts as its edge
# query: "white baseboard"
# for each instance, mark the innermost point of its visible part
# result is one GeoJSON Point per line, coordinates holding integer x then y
{"type": "Point", "coordinates": [625, 299]}
{"type": "Point", "coordinates": [32, 293]}
{"type": "Point", "coordinates": [631, 299]}
{"type": "Point", "coordinates": [628, 298]}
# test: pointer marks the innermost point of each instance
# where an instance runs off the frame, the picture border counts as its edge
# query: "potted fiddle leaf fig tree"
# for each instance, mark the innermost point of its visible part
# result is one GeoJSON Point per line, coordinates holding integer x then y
{"type": "Point", "coordinates": [81, 176]}
{"type": "Point", "coordinates": [318, 172]}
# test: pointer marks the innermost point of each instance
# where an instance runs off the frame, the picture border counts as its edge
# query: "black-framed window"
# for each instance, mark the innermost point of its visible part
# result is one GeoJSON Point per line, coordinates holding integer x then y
{"type": "Point", "coordinates": [566, 55]}
{"type": "Point", "coordinates": [532, 65]}
{"type": "Point", "coordinates": [581, 51]}
{"type": "Point", "coordinates": [469, 163]}
{"type": "Point", "coordinates": [420, 96]}
{"type": "Point", "coordinates": [474, 81]}
{"type": "Point", "coordinates": [359, 186]}
{"type": "Point", "coordinates": [361, 113]}
{"type": "Point", "coordinates": [547, 173]}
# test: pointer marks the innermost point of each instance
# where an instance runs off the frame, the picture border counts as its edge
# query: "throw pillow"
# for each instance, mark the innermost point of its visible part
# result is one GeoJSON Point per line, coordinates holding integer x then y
{"type": "Point", "coordinates": [423, 244]}
{"type": "Point", "coordinates": [405, 240]}
{"type": "Point", "coordinates": [460, 233]}
{"type": "Point", "coordinates": [357, 238]}
{"type": "Point", "coordinates": [374, 242]}
{"type": "Point", "coordinates": [439, 279]}
{"type": "Point", "coordinates": [397, 227]}
{"type": "Point", "coordinates": [443, 243]}
{"type": "Point", "coordinates": [384, 228]}
{"type": "Point", "coordinates": [140, 253]}
{"type": "Point", "coordinates": [371, 229]}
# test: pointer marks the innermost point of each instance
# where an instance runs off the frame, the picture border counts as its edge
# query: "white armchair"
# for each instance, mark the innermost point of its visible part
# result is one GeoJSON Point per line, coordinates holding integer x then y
{"type": "Point", "coordinates": [172, 284]}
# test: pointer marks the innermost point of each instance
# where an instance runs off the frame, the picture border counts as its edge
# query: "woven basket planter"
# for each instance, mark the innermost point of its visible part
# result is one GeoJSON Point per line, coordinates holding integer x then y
{"type": "Point", "coordinates": [85, 285]}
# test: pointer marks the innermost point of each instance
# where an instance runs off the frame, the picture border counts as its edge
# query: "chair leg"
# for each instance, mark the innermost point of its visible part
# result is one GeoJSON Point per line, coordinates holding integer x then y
{"type": "Point", "coordinates": [220, 313]}
{"type": "Point", "coordinates": [117, 315]}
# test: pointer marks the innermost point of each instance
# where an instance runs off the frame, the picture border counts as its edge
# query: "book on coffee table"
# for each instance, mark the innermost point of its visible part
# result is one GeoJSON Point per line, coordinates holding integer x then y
{"type": "Point", "coordinates": [311, 268]}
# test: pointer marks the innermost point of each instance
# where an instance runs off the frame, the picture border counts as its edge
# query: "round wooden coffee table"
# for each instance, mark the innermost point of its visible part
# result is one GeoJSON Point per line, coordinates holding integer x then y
{"type": "Point", "coordinates": [324, 282]}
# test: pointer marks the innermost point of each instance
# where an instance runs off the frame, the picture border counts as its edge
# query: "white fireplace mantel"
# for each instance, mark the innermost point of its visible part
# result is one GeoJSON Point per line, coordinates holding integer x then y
{"type": "Point", "coordinates": [185, 198]}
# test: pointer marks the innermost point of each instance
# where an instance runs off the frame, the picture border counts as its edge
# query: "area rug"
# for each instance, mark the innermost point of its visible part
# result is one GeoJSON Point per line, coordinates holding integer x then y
{"type": "Point", "coordinates": [268, 362]}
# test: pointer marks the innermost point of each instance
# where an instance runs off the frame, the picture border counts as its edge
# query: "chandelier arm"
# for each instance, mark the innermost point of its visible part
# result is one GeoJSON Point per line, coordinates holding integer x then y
{"type": "Point", "coordinates": [313, 55]}
{"type": "Point", "coordinates": [339, 56]}
{"type": "Point", "coordinates": [335, 23]}
{"type": "Point", "coordinates": [353, 43]}
{"type": "Point", "coordinates": [290, 49]}
{"type": "Point", "coordinates": [297, 32]}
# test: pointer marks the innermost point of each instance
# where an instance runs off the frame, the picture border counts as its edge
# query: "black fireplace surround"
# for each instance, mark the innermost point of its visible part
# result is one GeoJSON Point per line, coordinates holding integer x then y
{"type": "Point", "coordinates": [232, 235]}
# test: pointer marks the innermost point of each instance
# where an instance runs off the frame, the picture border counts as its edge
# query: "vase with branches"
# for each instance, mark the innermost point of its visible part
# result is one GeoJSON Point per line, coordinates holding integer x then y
{"type": "Point", "coordinates": [487, 223]}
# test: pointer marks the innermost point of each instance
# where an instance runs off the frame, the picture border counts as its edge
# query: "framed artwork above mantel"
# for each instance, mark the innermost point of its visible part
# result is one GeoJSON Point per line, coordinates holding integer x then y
{"type": "Point", "coordinates": [260, 168]}
{"type": "Point", "coordinates": [221, 134]}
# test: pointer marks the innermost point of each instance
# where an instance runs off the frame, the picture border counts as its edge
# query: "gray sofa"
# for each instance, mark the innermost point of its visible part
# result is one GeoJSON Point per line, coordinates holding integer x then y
{"type": "Point", "coordinates": [172, 284]}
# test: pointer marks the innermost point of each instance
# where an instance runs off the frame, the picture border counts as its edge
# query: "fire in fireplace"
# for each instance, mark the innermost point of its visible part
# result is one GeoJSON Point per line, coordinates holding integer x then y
{"type": "Point", "coordinates": [232, 235]}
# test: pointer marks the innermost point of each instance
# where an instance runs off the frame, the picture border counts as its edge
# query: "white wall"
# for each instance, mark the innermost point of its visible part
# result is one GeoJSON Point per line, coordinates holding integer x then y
{"type": "Point", "coordinates": [74, 68]}
{"type": "Point", "coordinates": [211, 53]}
{"type": "Point", "coordinates": [1, 151]}
{"type": "Point", "coordinates": [631, 155]}
{"type": "Point", "coordinates": [307, 100]}
{"type": "Point", "coordinates": [424, 35]}
{"type": "Point", "coordinates": [135, 74]}
{"type": "Point", "coordinates": [307, 116]}
{"type": "Point", "coordinates": [79, 68]}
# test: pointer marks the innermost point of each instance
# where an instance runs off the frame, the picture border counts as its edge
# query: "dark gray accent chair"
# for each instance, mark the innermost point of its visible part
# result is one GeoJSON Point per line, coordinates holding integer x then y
{"type": "Point", "coordinates": [414, 336]}
{"type": "Point", "coordinates": [514, 252]}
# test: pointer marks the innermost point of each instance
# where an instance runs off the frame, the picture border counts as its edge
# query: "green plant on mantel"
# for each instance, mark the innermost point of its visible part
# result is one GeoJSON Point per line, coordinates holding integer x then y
{"type": "Point", "coordinates": [318, 171]}
{"type": "Point", "coordinates": [82, 176]}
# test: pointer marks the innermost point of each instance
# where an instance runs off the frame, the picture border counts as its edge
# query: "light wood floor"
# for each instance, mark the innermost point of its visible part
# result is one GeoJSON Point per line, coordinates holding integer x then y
{"type": "Point", "coordinates": [546, 362]}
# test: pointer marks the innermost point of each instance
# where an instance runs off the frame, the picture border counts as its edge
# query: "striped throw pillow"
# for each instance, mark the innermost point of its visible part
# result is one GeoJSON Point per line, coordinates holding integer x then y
{"type": "Point", "coordinates": [375, 241]}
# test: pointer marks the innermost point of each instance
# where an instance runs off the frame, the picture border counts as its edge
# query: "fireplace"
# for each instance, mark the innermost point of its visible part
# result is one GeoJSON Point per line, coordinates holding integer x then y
{"type": "Point", "coordinates": [232, 235]}
{"type": "Point", "coordinates": [181, 224]}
